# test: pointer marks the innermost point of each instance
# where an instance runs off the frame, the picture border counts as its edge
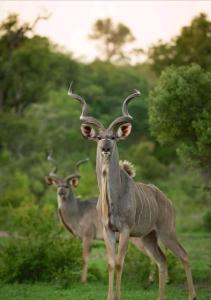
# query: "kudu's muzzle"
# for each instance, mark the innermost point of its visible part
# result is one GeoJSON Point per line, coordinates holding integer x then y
{"type": "Point", "coordinates": [106, 148]}
{"type": "Point", "coordinates": [61, 192]}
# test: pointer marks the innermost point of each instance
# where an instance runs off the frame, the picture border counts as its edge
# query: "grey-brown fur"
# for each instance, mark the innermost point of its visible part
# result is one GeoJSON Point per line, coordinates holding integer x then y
{"type": "Point", "coordinates": [80, 217]}
{"type": "Point", "coordinates": [129, 208]}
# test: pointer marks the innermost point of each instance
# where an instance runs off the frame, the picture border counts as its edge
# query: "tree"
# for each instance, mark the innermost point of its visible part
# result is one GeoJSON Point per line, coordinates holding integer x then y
{"type": "Point", "coordinates": [27, 66]}
{"type": "Point", "coordinates": [107, 85]}
{"type": "Point", "coordinates": [192, 45]}
{"type": "Point", "coordinates": [112, 38]}
{"type": "Point", "coordinates": [180, 113]}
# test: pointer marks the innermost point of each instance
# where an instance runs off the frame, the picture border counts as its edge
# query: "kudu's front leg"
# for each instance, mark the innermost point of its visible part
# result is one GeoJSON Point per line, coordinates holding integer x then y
{"type": "Point", "coordinates": [86, 254]}
{"type": "Point", "coordinates": [122, 249]}
{"type": "Point", "coordinates": [110, 242]}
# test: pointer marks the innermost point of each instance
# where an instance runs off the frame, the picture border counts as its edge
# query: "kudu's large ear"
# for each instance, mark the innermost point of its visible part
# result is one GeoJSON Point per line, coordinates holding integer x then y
{"type": "Point", "coordinates": [88, 131]}
{"type": "Point", "coordinates": [123, 131]}
{"type": "Point", "coordinates": [73, 180]}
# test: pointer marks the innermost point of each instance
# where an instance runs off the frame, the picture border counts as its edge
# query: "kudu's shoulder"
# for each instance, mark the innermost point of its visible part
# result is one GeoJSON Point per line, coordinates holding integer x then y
{"type": "Point", "coordinates": [153, 189]}
{"type": "Point", "coordinates": [87, 203]}
{"type": "Point", "coordinates": [147, 188]}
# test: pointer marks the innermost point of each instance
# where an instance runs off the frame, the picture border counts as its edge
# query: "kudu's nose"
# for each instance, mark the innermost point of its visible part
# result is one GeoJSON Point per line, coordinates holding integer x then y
{"type": "Point", "coordinates": [61, 192]}
{"type": "Point", "coordinates": [106, 149]}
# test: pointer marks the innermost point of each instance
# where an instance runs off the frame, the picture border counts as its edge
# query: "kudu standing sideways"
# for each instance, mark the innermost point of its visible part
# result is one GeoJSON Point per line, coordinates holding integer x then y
{"type": "Point", "coordinates": [79, 217]}
{"type": "Point", "coordinates": [129, 208]}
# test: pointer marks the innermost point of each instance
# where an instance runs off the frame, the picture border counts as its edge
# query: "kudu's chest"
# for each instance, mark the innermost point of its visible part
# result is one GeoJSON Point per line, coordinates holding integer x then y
{"type": "Point", "coordinates": [66, 224]}
{"type": "Point", "coordinates": [135, 206]}
{"type": "Point", "coordinates": [115, 206]}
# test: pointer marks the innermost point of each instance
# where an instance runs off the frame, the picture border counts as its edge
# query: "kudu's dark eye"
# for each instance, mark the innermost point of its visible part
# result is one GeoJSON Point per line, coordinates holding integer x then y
{"type": "Point", "coordinates": [99, 138]}
{"type": "Point", "coordinates": [113, 137]}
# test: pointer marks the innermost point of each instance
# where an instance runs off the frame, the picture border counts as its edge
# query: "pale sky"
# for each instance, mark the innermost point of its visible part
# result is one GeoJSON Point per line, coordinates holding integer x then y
{"type": "Point", "coordinates": [71, 21]}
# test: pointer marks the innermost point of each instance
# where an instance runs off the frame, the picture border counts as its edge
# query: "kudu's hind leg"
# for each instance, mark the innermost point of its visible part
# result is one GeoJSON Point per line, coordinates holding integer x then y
{"type": "Point", "coordinates": [179, 251]}
{"type": "Point", "coordinates": [154, 251]}
{"type": "Point", "coordinates": [122, 249]}
{"type": "Point", "coordinates": [139, 244]}
{"type": "Point", "coordinates": [86, 255]}
{"type": "Point", "coordinates": [110, 242]}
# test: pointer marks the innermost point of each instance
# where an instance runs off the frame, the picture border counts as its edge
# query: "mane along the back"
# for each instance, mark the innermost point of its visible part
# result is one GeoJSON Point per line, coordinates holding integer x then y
{"type": "Point", "coordinates": [128, 167]}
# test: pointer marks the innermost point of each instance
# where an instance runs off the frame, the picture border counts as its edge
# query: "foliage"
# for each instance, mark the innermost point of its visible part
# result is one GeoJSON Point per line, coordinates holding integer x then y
{"type": "Point", "coordinates": [184, 188]}
{"type": "Point", "coordinates": [36, 115]}
{"type": "Point", "coordinates": [40, 259]}
{"type": "Point", "coordinates": [39, 252]}
{"type": "Point", "coordinates": [197, 245]}
{"type": "Point", "coordinates": [105, 86]}
{"type": "Point", "coordinates": [180, 113]}
{"type": "Point", "coordinates": [207, 220]}
{"type": "Point", "coordinates": [25, 64]}
{"type": "Point", "coordinates": [17, 190]}
{"type": "Point", "coordinates": [192, 45]}
{"type": "Point", "coordinates": [149, 167]}
{"type": "Point", "coordinates": [112, 37]}
{"type": "Point", "coordinates": [138, 265]}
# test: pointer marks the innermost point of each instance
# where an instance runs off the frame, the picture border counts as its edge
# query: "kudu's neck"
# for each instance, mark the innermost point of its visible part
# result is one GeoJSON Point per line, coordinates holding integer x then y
{"type": "Point", "coordinates": [69, 203]}
{"type": "Point", "coordinates": [68, 212]}
{"type": "Point", "coordinates": [109, 183]}
{"type": "Point", "coordinates": [109, 169]}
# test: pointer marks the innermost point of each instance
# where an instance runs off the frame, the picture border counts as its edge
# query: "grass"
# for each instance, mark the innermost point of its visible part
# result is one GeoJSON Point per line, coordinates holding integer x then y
{"type": "Point", "coordinates": [92, 291]}
{"type": "Point", "coordinates": [197, 244]}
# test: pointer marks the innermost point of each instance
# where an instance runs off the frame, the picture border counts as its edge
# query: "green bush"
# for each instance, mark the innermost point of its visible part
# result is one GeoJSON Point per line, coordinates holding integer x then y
{"type": "Point", "coordinates": [32, 220]}
{"type": "Point", "coordinates": [42, 251]}
{"type": "Point", "coordinates": [207, 220]}
{"type": "Point", "coordinates": [65, 276]}
{"type": "Point", "coordinates": [32, 259]}
{"type": "Point", "coordinates": [95, 273]}
{"type": "Point", "coordinates": [148, 167]}
{"type": "Point", "coordinates": [138, 266]}
{"type": "Point", "coordinates": [177, 119]}
{"type": "Point", "coordinates": [185, 190]}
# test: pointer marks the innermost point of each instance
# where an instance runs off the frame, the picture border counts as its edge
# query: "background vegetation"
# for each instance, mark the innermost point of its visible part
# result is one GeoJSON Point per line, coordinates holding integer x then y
{"type": "Point", "coordinates": [36, 116]}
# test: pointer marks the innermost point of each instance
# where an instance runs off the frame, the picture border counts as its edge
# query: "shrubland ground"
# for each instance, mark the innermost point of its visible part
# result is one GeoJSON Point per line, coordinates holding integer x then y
{"type": "Point", "coordinates": [169, 145]}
